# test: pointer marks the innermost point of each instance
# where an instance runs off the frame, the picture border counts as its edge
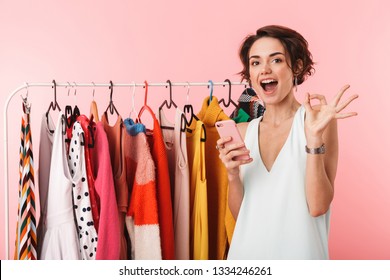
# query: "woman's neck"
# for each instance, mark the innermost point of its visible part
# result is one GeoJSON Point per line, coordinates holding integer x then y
{"type": "Point", "coordinates": [277, 113]}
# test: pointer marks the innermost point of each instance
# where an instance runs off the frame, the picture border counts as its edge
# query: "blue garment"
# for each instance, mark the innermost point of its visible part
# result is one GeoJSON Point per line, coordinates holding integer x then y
{"type": "Point", "coordinates": [133, 128]}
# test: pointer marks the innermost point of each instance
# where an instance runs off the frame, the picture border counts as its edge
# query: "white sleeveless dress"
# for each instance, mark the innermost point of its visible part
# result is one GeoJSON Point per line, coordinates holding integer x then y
{"type": "Point", "coordinates": [60, 241]}
{"type": "Point", "coordinates": [274, 220]}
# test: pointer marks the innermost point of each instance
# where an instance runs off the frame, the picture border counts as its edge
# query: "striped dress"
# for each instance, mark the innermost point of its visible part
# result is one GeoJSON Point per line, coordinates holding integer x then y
{"type": "Point", "coordinates": [26, 233]}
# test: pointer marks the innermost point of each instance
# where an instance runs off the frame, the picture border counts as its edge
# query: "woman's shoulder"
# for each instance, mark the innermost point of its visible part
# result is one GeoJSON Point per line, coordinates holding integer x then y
{"type": "Point", "coordinates": [243, 126]}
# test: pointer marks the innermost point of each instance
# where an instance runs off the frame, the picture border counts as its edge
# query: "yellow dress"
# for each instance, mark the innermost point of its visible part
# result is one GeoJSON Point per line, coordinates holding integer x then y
{"type": "Point", "coordinates": [221, 221]}
{"type": "Point", "coordinates": [199, 240]}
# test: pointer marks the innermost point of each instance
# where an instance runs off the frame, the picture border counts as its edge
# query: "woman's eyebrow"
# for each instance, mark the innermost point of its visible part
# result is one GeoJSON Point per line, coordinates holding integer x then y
{"type": "Point", "coordinates": [271, 55]}
{"type": "Point", "coordinates": [276, 53]}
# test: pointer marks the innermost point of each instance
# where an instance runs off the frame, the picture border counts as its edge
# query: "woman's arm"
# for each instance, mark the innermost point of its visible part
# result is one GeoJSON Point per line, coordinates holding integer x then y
{"type": "Point", "coordinates": [321, 171]}
{"type": "Point", "coordinates": [321, 128]}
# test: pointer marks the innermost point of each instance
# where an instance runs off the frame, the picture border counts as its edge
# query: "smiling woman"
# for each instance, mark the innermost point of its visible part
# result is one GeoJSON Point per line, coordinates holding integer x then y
{"type": "Point", "coordinates": [281, 195]}
{"type": "Point", "coordinates": [196, 41]}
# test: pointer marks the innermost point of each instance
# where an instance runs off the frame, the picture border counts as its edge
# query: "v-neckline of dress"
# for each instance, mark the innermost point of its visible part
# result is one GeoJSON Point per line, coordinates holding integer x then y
{"type": "Point", "coordinates": [283, 147]}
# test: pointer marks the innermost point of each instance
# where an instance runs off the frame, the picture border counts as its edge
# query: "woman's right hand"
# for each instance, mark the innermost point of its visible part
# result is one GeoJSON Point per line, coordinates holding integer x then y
{"type": "Point", "coordinates": [228, 153]}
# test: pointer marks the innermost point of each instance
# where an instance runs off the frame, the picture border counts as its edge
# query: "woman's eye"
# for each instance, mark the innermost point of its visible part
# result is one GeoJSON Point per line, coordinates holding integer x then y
{"type": "Point", "coordinates": [254, 63]}
{"type": "Point", "coordinates": [277, 60]}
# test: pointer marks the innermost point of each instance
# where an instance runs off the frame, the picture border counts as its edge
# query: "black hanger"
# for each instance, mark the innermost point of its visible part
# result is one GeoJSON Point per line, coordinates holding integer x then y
{"type": "Point", "coordinates": [189, 109]}
{"type": "Point", "coordinates": [169, 105]}
{"type": "Point", "coordinates": [184, 127]}
{"type": "Point", "coordinates": [230, 100]}
{"type": "Point", "coordinates": [68, 116]}
{"type": "Point", "coordinates": [171, 102]}
{"type": "Point", "coordinates": [53, 105]}
{"type": "Point", "coordinates": [71, 115]}
{"type": "Point", "coordinates": [183, 123]}
{"type": "Point", "coordinates": [76, 110]}
{"type": "Point", "coordinates": [91, 135]}
{"type": "Point", "coordinates": [111, 105]}
{"type": "Point", "coordinates": [211, 86]}
{"type": "Point", "coordinates": [92, 139]}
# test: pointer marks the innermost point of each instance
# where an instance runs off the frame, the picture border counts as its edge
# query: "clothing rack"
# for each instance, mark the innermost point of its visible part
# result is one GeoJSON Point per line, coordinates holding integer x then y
{"type": "Point", "coordinates": [54, 84]}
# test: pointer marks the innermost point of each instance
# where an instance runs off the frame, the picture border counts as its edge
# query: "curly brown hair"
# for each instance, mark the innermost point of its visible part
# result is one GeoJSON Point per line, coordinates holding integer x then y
{"type": "Point", "coordinates": [294, 44]}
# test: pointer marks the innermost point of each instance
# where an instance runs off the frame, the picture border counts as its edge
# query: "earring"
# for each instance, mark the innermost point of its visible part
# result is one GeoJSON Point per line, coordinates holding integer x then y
{"type": "Point", "coordinates": [296, 83]}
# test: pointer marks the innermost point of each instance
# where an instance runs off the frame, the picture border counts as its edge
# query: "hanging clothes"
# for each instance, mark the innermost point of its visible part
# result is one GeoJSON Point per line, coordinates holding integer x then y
{"type": "Point", "coordinates": [221, 221]}
{"type": "Point", "coordinates": [242, 116]}
{"type": "Point", "coordinates": [159, 155]}
{"type": "Point", "coordinates": [88, 127]}
{"type": "Point", "coordinates": [61, 238]}
{"type": "Point", "coordinates": [168, 134]}
{"type": "Point", "coordinates": [176, 147]}
{"type": "Point", "coordinates": [81, 195]}
{"type": "Point", "coordinates": [26, 238]}
{"type": "Point", "coordinates": [45, 152]}
{"type": "Point", "coordinates": [115, 135]}
{"type": "Point", "coordinates": [250, 103]}
{"type": "Point", "coordinates": [199, 232]}
{"type": "Point", "coordinates": [109, 234]}
{"type": "Point", "coordinates": [142, 219]}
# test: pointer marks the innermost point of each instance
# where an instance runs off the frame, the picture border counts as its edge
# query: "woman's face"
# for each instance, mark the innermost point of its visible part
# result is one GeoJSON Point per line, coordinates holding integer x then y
{"type": "Point", "coordinates": [269, 70]}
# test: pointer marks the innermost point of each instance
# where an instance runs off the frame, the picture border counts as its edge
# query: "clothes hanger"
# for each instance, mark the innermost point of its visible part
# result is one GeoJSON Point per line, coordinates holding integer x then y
{"type": "Point", "coordinates": [183, 121]}
{"type": "Point", "coordinates": [145, 106]}
{"type": "Point", "coordinates": [211, 86]}
{"type": "Point", "coordinates": [26, 106]}
{"type": "Point", "coordinates": [71, 115]}
{"type": "Point", "coordinates": [93, 110]}
{"type": "Point", "coordinates": [171, 102]}
{"type": "Point", "coordinates": [111, 105]}
{"type": "Point", "coordinates": [90, 126]}
{"type": "Point", "coordinates": [53, 105]}
{"type": "Point", "coordinates": [230, 100]}
{"type": "Point", "coordinates": [68, 113]}
{"type": "Point", "coordinates": [76, 110]}
{"type": "Point", "coordinates": [190, 110]}
{"type": "Point", "coordinates": [91, 132]}
{"type": "Point", "coordinates": [133, 110]}
{"type": "Point", "coordinates": [92, 138]}
{"type": "Point", "coordinates": [169, 105]}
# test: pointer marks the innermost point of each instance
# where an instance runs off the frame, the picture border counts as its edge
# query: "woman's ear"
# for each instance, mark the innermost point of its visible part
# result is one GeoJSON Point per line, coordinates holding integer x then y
{"type": "Point", "coordinates": [298, 67]}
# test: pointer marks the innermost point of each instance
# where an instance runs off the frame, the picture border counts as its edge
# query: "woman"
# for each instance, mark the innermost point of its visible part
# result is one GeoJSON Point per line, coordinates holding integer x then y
{"type": "Point", "coordinates": [281, 196]}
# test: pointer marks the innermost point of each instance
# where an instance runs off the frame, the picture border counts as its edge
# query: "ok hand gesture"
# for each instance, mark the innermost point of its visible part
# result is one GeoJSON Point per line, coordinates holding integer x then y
{"type": "Point", "coordinates": [318, 117]}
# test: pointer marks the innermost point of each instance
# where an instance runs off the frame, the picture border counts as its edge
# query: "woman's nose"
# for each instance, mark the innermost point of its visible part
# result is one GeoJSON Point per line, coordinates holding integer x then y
{"type": "Point", "coordinates": [265, 69]}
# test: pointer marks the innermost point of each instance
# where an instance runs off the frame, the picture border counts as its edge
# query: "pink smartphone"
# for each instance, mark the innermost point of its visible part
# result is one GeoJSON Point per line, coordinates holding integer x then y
{"type": "Point", "coordinates": [229, 128]}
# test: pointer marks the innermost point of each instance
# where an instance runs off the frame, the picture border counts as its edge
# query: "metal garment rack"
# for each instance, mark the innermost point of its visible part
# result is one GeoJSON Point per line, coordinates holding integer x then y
{"type": "Point", "coordinates": [54, 84]}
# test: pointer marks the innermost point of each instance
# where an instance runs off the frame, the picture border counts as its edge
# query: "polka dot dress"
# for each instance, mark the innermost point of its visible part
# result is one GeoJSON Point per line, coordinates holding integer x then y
{"type": "Point", "coordinates": [81, 201]}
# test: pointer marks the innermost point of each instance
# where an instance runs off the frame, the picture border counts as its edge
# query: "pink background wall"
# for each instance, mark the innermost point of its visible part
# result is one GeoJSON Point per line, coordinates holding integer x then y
{"type": "Point", "coordinates": [98, 41]}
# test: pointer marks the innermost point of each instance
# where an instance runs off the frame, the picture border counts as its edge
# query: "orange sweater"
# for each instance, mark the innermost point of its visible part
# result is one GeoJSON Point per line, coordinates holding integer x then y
{"type": "Point", "coordinates": [142, 215]}
{"type": "Point", "coordinates": [159, 154]}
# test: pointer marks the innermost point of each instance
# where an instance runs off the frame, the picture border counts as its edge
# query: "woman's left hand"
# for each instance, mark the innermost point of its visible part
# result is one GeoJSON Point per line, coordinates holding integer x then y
{"type": "Point", "coordinates": [319, 116]}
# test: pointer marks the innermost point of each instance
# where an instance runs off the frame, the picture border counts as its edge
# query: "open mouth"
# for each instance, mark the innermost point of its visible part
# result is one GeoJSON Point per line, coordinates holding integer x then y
{"type": "Point", "coordinates": [269, 84]}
